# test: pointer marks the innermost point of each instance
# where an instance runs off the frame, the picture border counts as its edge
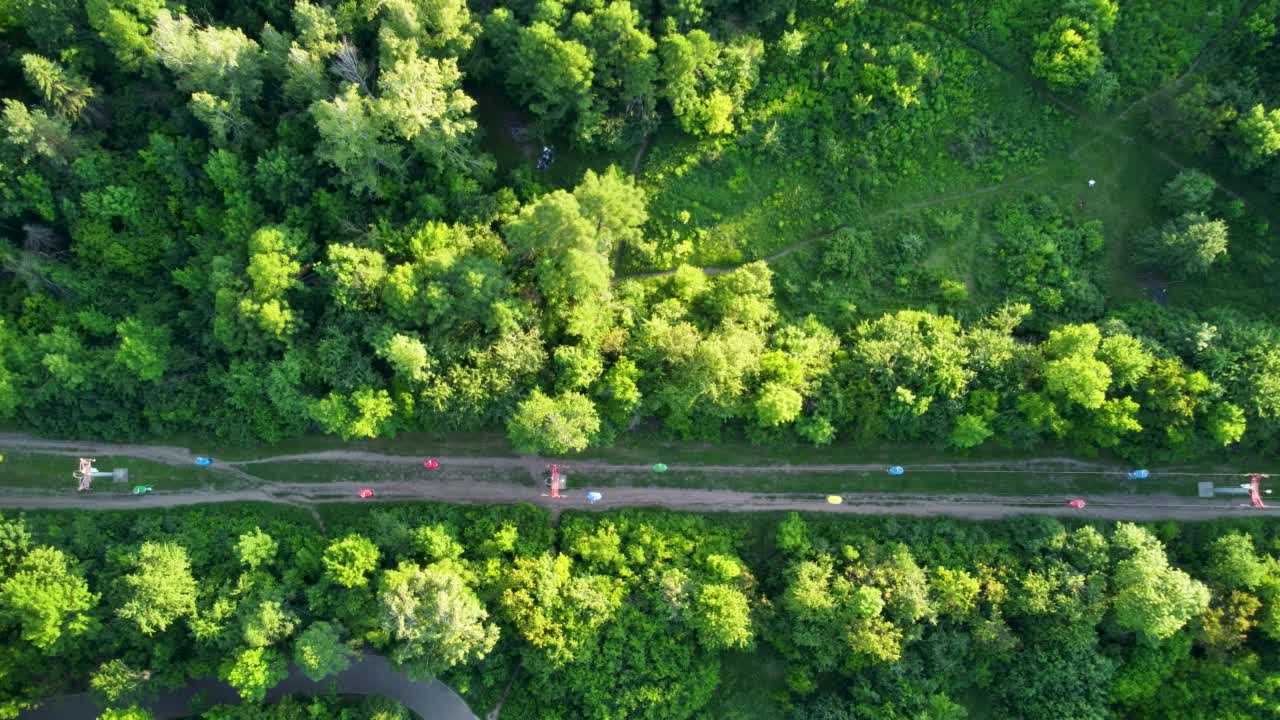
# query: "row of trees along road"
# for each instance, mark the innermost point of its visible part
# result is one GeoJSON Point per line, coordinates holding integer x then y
{"type": "Point", "coordinates": [636, 614]}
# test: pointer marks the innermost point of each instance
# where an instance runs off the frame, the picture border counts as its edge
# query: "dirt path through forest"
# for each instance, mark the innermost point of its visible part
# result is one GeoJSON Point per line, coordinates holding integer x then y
{"type": "Point", "coordinates": [439, 488]}
{"type": "Point", "coordinates": [164, 454]}
{"type": "Point", "coordinates": [1150, 507]}
{"type": "Point", "coordinates": [929, 202]}
{"type": "Point", "coordinates": [1210, 47]}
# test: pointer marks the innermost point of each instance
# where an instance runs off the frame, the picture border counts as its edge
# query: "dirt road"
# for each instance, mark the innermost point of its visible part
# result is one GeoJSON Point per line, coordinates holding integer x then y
{"type": "Point", "coordinates": [439, 488]}
{"type": "Point", "coordinates": [1150, 507]}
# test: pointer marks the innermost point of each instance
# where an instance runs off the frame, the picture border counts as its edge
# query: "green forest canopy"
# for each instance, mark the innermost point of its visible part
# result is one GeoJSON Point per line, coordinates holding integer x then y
{"type": "Point", "coordinates": [260, 219]}
{"type": "Point", "coordinates": [647, 614]}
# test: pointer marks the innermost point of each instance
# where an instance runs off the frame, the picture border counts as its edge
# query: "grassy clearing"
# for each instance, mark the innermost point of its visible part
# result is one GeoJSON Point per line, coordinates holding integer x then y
{"type": "Point", "coordinates": [731, 203]}
{"type": "Point", "coordinates": [496, 113]}
{"type": "Point", "coordinates": [1128, 180]}
{"type": "Point", "coordinates": [46, 524]}
{"type": "Point", "coordinates": [740, 208]}
{"type": "Point", "coordinates": [1124, 199]}
{"type": "Point", "coordinates": [488, 444]}
{"type": "Point", "coordinates": [646, 448]}
{"type": "Point", "coordinates": [340, 472]}
{"type": "Point", "coordinates": [641, 447]}
{"type": "Point", "coordinates": [1245, 280]}
{"type": "Point", "coordinates": [711, 205]}
{"type": "Point", "coordinates": [53, 472]}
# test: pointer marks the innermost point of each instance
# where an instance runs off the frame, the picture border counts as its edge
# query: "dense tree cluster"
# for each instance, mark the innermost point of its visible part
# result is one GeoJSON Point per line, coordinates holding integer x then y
{"type": "Point", "coordinates": [633, 614]}
{"type": "Point", "coordinates": [261, 220]}
{"type": "Point", "coordinates": [129, 606]}
{"type": "Point", "coordinates": [1233, 110]}
{"type": "Point", "coordinates": [1085, 622]}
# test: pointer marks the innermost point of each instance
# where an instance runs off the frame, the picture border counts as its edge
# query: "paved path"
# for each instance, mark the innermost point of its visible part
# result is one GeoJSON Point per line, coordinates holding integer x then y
{"type": "Point", "coordinates": [372, 674]}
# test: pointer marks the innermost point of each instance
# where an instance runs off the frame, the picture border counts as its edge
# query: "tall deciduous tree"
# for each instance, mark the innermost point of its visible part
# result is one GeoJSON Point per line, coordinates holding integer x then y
{"type": "Point", "coordinates": [1127, 358]}
{"type": "Point", "coordinates": [1234, 562]}
{"type": "Point", "coordinates": [555, 609]}
{"type": "Point", "coordinates": [548, 73]}
{"type": "Point", "coordinates": [47, 599]}
{"type": "Point", "coordinates": [955, 592]}
{"type": "Point", "coordinates": [36, 134]}
{"type": "Point", "coordinates": [778, 404]}
{"type": "Point", "coordinates": [1226, 423]}
{"type": "Point", "coordinates": [218, 60]}
{"type": "Point", "coordinates": [348, 562]}
{"type": "Point", "coordinates": [706, 82]}
{"type": "Point", "coordinates": [62, 89]}
{"type": "Point", "coordinates": [818, 599]}
{"type": "Point", "coordinates": [160, 589]}
{"type": "Point", "coordinates": [435, 619]}
{"type": "Point", "coordinates": [256, 549]}
{"type": "Point", "coordinates": [614, 204]}
{"type": "Point", "coordinates": [406, 355]}
{"type": "Point", "coordinates": [133, 712]}
{"type": "Point", "coordinates": [15, 542]}
{"type": "Point", "coordinates": [970, 431]}
{"type": "Point", "coordinates": [1189, 191]}
{"type": "Point", "coordinates": [116, 682]}
{"type": "Point", "coordinates": [722, 616]}
{"type": "Point", "coordinates": [1186, 246]}
{"type": "Point", "coordinates": [125, 26]}
{"type": "Point", "coordinates": [1258, 133]}
{"type": "Point", "coordinates": [254, 671]}
{"type": "Point", "coordinates": [624, 78]}
{"type": "Point", "coordinates": [1067, 54]}
{"type": "Point", "coordinates": [1073, 371]}
{"type": "Point", "coordinates": [421, 101]}
{"type": "Point", "coordinates": [556, 425]}
{"type": "Point", "coordinates": [351, 140]}
{"type": "Point", "coordinates": [357, 275]}
{"type": "Point", "coordinates": [320, 652]}
{"type": "Point", "coordinates": [1150, 597]}
{"type": "Point", "coordinates": [144, 348]}
{"type": "Point", "coordinates": [266, 622]}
